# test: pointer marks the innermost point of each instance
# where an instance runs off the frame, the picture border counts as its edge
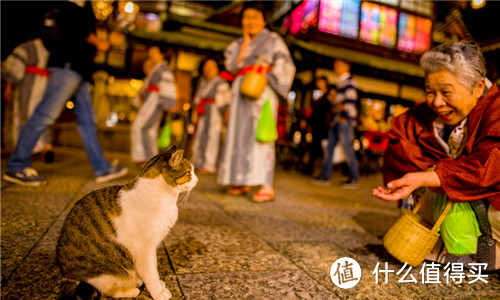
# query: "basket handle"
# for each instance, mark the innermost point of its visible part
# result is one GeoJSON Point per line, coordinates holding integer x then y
{"type": "Point", "coordinates": [418, 206]}
{"type": "Point", "coordinates": [256, 65]}
{"type": "Point", "coordinates": [441, 218]}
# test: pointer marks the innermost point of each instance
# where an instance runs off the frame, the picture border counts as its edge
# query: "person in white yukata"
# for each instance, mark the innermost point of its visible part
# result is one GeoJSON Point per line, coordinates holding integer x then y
{"type": "Point", "coordinates": [157, 95]}
{"type": "Point", "coordinates": [211, 101]}
{"type": "Point", "coordinates": [245, 162]}
{"type": "Point", "coordinates": [26, 74]}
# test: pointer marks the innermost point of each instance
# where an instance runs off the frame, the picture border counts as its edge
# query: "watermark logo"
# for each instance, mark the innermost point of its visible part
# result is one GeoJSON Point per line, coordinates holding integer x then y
{"type": "Point", "coordinates": [345, 272]}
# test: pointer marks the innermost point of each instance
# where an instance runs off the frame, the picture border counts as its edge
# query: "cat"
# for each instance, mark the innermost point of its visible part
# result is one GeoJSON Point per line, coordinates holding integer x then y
{"type": "Point", "coordinates": [107, 245]}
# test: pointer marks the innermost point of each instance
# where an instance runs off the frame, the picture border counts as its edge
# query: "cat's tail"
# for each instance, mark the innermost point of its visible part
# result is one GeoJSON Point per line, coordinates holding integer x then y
{"type": "Point", "coordinates": [74, 290]}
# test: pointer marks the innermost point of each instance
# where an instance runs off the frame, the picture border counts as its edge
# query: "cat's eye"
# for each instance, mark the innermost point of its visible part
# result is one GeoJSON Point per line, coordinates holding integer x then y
{"type": "Point", "coordinates": [184, 174]}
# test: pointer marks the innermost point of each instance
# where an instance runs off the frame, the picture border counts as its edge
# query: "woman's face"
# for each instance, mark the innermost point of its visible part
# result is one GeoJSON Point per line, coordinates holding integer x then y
{"type": "Point", "coordinates": [252, 22]}
{"type": "Point", "coordinates": [448, 98]}
{"type": "Point", "coordinates": [155, 54]}
{"type": "Point", "coordinates": [210, 69]}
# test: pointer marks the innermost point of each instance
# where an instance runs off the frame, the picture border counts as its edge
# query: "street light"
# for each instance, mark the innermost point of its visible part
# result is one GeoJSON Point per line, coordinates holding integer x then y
{"type": "Point", "coordinates": [476, 4]}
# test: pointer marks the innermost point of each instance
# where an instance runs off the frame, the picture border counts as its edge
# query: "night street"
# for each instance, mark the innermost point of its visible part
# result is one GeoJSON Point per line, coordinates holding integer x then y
{"type": "Point", "coordinates": [225, 247]}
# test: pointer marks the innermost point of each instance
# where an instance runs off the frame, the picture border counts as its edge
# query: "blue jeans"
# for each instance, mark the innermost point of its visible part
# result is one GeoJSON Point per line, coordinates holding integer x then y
{"type": "Point", "coordinates": [345, 131]}
{"type": "Point", "coordinates": [63, 84]}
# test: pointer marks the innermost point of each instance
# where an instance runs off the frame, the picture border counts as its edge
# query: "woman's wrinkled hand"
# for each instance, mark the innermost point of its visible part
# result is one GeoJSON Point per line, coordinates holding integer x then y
{"type": "Point", "coordinates": [404, 186]}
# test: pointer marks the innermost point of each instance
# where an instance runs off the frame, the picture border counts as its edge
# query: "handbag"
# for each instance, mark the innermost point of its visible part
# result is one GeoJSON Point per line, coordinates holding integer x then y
{"type": "Point", "coordinates": [266, 126]}
{"type": "Point", "coordinates": [409, 239]}
{"type": "Point", "coordinates": [254, 83]}
{"type": "Point", "coordinates": [460, 229]}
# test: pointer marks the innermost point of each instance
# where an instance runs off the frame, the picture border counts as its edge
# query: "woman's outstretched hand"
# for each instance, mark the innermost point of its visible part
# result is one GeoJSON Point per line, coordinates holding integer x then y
{"type": "Point", "coordinates": [404, 186]}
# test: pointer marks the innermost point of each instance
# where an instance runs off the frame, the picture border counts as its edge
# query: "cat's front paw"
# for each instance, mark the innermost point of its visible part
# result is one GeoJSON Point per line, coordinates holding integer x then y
{"type": "Point", "coordinates": [163, 295]}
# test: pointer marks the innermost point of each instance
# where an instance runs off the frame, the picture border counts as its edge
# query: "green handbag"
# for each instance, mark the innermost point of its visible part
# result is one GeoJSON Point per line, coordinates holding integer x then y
{"type": "Point", "coordinates": [266, 126]}
{"type": "Point", "coordinates": [164, 138]}
{"type": "Point", "coordinates": [460, 229]}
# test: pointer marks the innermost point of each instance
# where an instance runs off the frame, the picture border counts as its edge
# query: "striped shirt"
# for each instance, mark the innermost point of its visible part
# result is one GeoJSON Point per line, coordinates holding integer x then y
{"type": "Point", "coordinates": [348, 97]}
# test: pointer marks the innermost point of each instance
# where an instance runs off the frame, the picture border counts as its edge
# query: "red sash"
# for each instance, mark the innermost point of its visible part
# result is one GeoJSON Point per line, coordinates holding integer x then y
{"type": "Point", "coordinates": [201, 106]}
{"type": "Point", "coordinates": [153, 88]}
{"type": "Point", "coordinates": [231, 77]}
{"type": "Point", "coordinates": [32, 69]}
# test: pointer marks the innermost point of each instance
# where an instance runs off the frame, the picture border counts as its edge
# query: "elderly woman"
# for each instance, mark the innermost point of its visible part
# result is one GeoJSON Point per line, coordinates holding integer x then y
{"type": "Point", "coordinates": [245, 161]}
{"type": "Point", "coordinates": [451, 144]}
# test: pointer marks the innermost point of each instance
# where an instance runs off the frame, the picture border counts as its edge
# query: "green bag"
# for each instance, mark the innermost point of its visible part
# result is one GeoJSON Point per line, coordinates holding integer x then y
{"type": "Point", "coordinates": [460, 229]}
{"type": "Point", "coordinates": [266, 126]}
{"type": "Point", "coordinates": [164, 139]}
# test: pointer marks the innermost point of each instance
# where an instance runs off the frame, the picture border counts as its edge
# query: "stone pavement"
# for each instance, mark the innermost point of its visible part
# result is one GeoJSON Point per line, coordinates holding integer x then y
{"type": "Point", "coordinates": [225, 247]}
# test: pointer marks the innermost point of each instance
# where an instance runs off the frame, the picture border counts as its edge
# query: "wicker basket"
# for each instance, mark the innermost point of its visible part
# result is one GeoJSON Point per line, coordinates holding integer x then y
{"type": "Point", "coordinates": [254, 83]}
{"type": "Point", "coordinates": [408, 240]}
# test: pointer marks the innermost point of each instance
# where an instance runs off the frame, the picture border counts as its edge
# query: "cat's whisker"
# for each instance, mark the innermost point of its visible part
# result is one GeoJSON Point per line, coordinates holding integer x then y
{"type": "Point", "coordinates": [183, 197]}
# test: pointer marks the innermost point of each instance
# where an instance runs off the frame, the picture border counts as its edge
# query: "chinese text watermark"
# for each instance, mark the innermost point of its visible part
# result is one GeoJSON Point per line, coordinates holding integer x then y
{"type": "Point", "coordinates": [431, 273]}
{"type": "Point", "coordinates": [345, 272]}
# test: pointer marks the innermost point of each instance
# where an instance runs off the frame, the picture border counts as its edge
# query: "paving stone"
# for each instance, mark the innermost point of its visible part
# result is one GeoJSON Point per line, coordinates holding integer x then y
{"type": "Point", "coordinates": [219, 248]}
{"type": "Point", "coordinates": [253, 285]}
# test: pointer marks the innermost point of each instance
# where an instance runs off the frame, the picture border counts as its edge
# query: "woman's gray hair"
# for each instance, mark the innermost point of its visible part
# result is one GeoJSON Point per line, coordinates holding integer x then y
{"type": "Point", "coordinates": [463, 59]}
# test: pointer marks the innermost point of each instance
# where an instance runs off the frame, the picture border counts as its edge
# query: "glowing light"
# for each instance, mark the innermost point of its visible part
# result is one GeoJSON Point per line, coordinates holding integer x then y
{"type": "Point", "coordinates": [129, 7]}
{"type": "Point", "coordinates": [131, 117]}
{"type": "Point", "coordinates": [297, 137]}
{"type": "Point", "coordinates": [112, 119]}
{"type": "Point", "coordinates": [186, 106]}
{"type": "Point", "coordinates": [309, 138]}
{"type": "Point", "coordinates": [191, 129]}
{"type": "Point", "coordinates": [70, 105]}
{"type": "Point", "coordinates": [356, 145]}
{"type": "Point", "coordinates": [478, 3]}
{"type": "Point", "coordinates": [136, 84]}
{"type": "Point", "coordinates": [365, 142]}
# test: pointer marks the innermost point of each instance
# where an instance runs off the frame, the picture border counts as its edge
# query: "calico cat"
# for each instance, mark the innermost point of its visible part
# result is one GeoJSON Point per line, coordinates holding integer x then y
{"type": "Point", "coordinates": [110, 236]}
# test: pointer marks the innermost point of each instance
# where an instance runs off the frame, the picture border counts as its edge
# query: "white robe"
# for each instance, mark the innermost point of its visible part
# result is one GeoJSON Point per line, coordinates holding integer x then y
{"type": "Point", "coordinates": [207, 138]}
{"type": "Point", "coordinates": [144, 131]}
{"type": "Point", "coordinates": [245, 161]}
{"type": "Point", "coordinates": [30, 88]}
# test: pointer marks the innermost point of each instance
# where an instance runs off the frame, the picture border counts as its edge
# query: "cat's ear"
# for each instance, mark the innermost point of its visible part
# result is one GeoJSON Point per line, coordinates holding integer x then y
{"type": "Point", "coordinates": [176, 158]}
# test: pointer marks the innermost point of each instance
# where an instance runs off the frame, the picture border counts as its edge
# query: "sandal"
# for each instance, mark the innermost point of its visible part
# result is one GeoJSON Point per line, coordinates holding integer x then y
{"type": "Point", "coordinates": [263, 196]}
{"type": "Point", "coordinates": [238, 190]}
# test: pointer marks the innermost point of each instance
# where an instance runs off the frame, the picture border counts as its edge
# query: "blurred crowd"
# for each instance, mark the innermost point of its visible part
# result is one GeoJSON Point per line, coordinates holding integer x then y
{"type": "Point", "coordinates": [226, 129]}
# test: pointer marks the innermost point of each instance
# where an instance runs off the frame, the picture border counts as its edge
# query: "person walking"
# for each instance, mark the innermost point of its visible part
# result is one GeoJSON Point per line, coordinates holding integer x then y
{"type": "Point", "coordinates": [211, 100]}
{"type": "Point", "coordinates": [245, 161]}
{"type": "Point", "coordinates": [342, 126]}
{"type": "Point", "coordinates": [70, 67]}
